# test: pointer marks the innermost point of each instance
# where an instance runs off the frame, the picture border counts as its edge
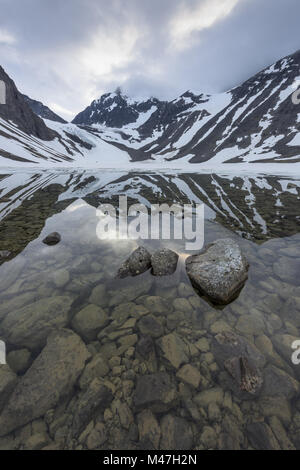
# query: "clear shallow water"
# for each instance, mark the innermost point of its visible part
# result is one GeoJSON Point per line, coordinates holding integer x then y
{"type": "Point", "coordinates": [45, 288]}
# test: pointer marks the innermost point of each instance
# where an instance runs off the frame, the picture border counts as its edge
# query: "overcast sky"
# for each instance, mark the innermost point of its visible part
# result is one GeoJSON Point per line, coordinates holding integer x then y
{"type": "Point", "coordinates": [68, 52]}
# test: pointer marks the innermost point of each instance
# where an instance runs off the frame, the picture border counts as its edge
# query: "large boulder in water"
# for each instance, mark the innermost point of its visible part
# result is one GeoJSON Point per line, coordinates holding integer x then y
{"type": "Point", "coordinates": [138, 262]}
{"type": "Point", "coordinates": [219, 272]}
{"type": "Point", "coordinates": [164, 262]}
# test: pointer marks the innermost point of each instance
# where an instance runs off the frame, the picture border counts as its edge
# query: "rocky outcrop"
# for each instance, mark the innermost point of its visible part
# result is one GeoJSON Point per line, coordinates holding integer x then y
{"type": "Point", "coordinates": [17, 110]}
{"type": "Point", "coordinates": [219, 272]}
{"type": "Point", "coordinates": [51, 377]}
{"type": "Point", "coordinates": [43, 111]}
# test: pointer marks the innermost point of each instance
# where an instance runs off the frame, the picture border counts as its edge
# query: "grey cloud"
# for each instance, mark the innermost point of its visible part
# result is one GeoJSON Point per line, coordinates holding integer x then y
{"type": "Point", "coordinates": [255, 34]}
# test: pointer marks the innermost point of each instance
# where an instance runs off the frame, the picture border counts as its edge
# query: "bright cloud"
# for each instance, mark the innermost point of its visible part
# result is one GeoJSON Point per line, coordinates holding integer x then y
{"type": "Point", "coordinates": [204, 15]}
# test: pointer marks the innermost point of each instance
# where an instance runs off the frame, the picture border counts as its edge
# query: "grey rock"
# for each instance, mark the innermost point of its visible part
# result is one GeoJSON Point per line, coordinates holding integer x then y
{"type": "Point", "coordinates": [227, 344]}
{"type": "Point", "coordinates": [280, 434]}
{"type": "Point", "coordinates": [137, 263]}
{"type": "Point", "coordinates": [164, 262]}
{"type": "Point", "coordinates": [97, 437]}
{"type": "Point", "coordinates": [19, 360]}
{"type": "Point", "coordinates": [261, 437]}
{"type": "Point", "coordinates": [29, 326]}
{"type": "Point", "coordinates": [151, 326]}
{"type": "Point", "coordinates": [97, 368]}
{"type": "Point", "coordinates": [96, 397]}
{"type": "Point", "coordinates": [89, 321]}
{"type": "Point", "coordinates": [176, 433]}
{"type": "Point", "coordinates": [242, 362]}
{"type": "Point", "coordinates": [8, 381]}
{"type": "Point", "coordinates": [189, 375]}
{"type": "Point", "coordinates": [145, 347]}
{"type": "Point", "coordinates": [149, 430]}
{"type": "Point", "coordinates": [219, 272]}
{"type": "Point", "coordinates": [99, 296]}
{"type": "Point", "coordinates": [246, 379]}
{"type": "Point", "coordinates": [50, 378]}
{"type": "Point", "coordinates": [126, 291]}
{"type": "Point", "coordinates": [278, 383]}
{"type": "Point", "coordinates": [287, 269]}
{"type": "Point", "coordinates": [156, 392]}
{"type": "Point", "coordinates": [173, 350]}
{"type": "Point", "coordinates": [52, 239]}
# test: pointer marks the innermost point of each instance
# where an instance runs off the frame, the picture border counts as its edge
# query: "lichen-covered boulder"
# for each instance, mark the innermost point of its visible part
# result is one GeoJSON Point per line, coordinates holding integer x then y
{"type": "Point", "coordinates": [219, 272]}
{"type": "Point", "coordinates": [137, 263]}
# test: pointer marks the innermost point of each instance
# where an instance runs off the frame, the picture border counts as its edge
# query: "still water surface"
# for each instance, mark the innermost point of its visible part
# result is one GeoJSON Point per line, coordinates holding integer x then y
{"type": "Point", "coordinates": [102, 363]}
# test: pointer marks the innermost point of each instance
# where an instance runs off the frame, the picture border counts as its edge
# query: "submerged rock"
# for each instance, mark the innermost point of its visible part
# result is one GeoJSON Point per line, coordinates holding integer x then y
{"type": "Point", "coordinates": [8, 381]}
{"type": "Point", "coordinates": [219, 272]}
{"type": "Point", "coordinates": [89, 321]}
{"type": "Point", "coordinates": [50, 378]}
{"type": "Point", "coordinates": [96, 397]}
{"type": "Point", "coordinates": [19, 360]}
{"type": "Point", "coordinates": [173, 350]}
{"type": "Point", "coordinates": [29, 326]}
{"type": "Point", "coordinates": [138, 262]}
{"type": "Point", "coordinates": [164, 262]}
{"type": "Point", "coordinates": [245, 375]}
{"type": "Point", "coordinates": [52, 239]}
{"type": "Point", "coordinates": [242, 362]}
{"type": "Point", "coordinates": [156, 392]}
{"type": "Point", "coordinates": [176, 434]}
{"type": "Point", "coordinates": [261, 437]}
{"type": "Point", "coordinates": [149, 430]}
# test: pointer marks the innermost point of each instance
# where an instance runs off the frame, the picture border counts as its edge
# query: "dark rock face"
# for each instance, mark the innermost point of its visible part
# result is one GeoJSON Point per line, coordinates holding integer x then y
{"type": "Point", "coordinates": [114, 110]}
{"type": "Point", "coordinates": [42, 111]}
{"type": "Point", "coordinates": [156, 392]}
{"type": "Point", "coordinates": [137, 263]}
{"type": "Point", "coordinates": [17, 110]}
{"type": "Point", "coordinates": [219, 272]}
{"type": "Point", "coordinates": [164, 262]}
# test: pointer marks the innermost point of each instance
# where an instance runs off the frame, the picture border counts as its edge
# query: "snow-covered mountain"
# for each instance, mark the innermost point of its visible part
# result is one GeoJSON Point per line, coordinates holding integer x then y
{"type": "Point", "coordinates": [254, 122]}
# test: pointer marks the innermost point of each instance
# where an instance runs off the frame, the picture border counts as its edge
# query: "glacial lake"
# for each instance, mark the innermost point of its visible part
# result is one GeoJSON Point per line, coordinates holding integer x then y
{"type": "Point", "coordinates": [96, 362]}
